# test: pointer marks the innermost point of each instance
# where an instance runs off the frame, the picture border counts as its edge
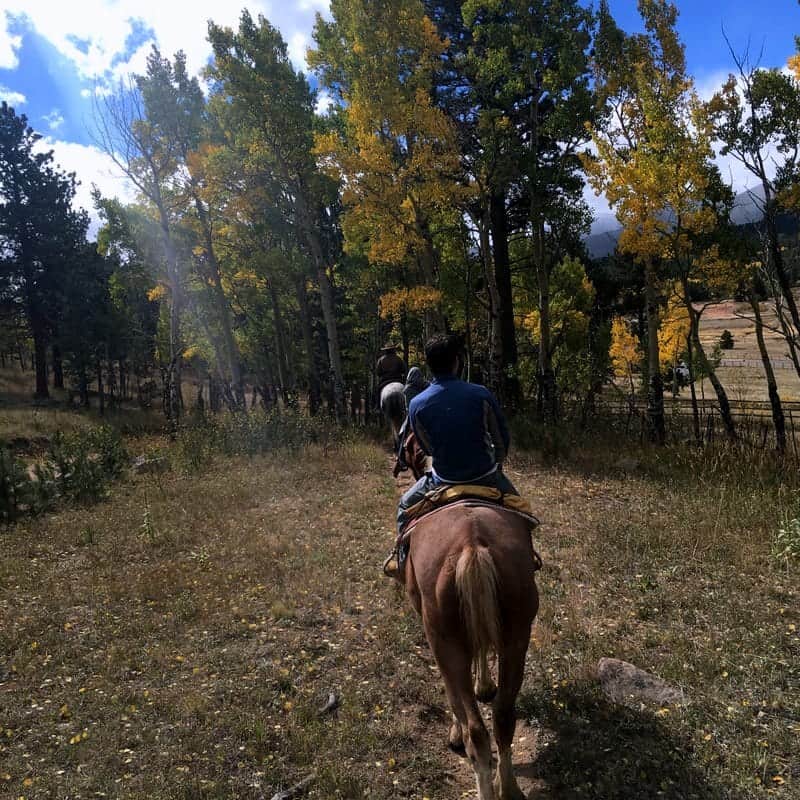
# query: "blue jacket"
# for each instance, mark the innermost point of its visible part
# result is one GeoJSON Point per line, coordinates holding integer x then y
{"type": "Point", "coordinates": [460, 425]}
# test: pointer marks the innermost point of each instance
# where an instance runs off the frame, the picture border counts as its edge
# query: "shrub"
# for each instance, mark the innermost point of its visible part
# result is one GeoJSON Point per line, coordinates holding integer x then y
{"type": "Point", "coordinates": [83, 464]}
{"type": "Point", "coordinates": [253, 434]}
{"type": "Point", "coordinates": [15, 487]}
{"type": "Point", "coordinates": [786, 545]}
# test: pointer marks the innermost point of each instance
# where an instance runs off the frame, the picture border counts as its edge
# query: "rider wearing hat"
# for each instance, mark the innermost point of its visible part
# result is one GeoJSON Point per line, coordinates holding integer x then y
{"type": "Point", "coordinates": [390, 368]}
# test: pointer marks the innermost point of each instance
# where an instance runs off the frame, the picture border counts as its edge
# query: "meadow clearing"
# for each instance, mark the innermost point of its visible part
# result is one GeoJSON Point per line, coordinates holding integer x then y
{"type": "Point", "coordinates": [181, 638]}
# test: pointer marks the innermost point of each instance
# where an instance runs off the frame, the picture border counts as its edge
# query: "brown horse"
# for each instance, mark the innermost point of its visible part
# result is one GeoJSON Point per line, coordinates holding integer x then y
{"type": "Point", "coordinates": [470, 575]}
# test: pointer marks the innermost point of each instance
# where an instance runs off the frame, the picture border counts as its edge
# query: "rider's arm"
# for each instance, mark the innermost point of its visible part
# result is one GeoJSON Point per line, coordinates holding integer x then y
{"type": "Point", "coordinates": [497, 427]}
{"type": "Point", "coordinates": [417, 427]}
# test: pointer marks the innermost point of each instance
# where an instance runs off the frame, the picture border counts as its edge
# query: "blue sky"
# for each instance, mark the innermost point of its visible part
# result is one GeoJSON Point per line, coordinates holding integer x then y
{"type": "Point", "coordinates": [54, 55]}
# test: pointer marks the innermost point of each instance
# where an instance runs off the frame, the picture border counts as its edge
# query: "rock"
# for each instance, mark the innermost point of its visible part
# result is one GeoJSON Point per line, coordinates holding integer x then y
{"type": "Point", "coordinates": [331, 706]}
{"type": "Point", "coordinates": [142, 464]}
{"type": "Point", "coordinates": [625, 683]}
{"type": "Point", "coordinates": [296, 790]}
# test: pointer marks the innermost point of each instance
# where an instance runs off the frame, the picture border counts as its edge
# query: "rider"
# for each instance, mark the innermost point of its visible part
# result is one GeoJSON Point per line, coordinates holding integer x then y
{"type": "Point", "coordinates": [390, 368]}
{"type": "Point", "coordinates": [460, 425]}
{"type": "Point", "coordinates": [415, 384]}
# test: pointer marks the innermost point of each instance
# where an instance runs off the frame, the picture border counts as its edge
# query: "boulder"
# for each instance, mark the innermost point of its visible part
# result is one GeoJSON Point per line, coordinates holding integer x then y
{"type": "Point", "coordinates": [142, 464]}
{"type": "Point", "coordinates": [625, 683]}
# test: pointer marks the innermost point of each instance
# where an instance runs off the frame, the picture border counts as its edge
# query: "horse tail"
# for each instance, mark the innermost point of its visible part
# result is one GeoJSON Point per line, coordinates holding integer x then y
{"type": "Point", "coordinates": [476, 585]}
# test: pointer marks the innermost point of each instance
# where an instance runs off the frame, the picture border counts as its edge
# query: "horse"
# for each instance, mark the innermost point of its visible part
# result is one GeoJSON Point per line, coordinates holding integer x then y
{"type": "Point", "coordinates": [469, 573]}
{"type": "Point", "coordinates": [393, 407]}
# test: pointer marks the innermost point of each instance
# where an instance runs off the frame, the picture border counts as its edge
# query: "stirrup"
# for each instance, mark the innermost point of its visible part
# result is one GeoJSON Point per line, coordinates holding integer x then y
{"type": "Point", "coordinates": [391, 565]}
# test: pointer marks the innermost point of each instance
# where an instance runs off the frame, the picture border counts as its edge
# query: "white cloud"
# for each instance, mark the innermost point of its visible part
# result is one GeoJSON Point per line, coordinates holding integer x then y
{"type": "Point", "coordinates": [54, 120]}
{"type": "Point", "coordinates": [11, 97]}
{"type": "Point", "coordinates": [297, 46]}
{"type": "Point", "coordinates": [86, 93]}
{"type": "Point", "coordinates": [95, 38]}
{"type": "Point", "coordinates": [708, 85]}
{"type": "Point", "coordinates": [324, 103]}
{"type": "Point", "coordinates": [8, 44]}
{"type": "Point", "coordinates": [91, 167]}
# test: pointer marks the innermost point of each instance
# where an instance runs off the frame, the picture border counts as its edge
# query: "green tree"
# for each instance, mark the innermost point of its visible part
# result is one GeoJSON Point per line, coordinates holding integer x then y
{"type": "Point", "coordinates": [174, 103]}
{"type": "Point", "coordinates": [528, 68]}
{"type": "Point", "coordinates": [395, 151]}
{"type": "Point", "coordinates": [39, 232]}
{"type": "Point", "coordinates": [253, 75]}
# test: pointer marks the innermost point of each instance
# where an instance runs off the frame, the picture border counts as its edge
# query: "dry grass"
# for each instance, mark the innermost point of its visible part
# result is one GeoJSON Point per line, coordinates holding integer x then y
{"type": "Point", "coordinates": [27, 426]}
{"type": "Point", "coordinates": [178, 640]}
{"type": "Point", "coordinates": [747, 381]}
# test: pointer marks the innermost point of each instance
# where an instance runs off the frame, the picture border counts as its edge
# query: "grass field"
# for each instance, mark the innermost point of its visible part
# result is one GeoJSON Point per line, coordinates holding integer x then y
{"type": "Point", "coordinates": [746, 381]}
{"type": "Point", "coordinates": [179, 639]}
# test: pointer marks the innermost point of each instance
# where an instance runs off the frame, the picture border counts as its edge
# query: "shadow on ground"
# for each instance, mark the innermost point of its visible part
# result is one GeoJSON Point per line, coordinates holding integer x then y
{"type": "Point", "coordinates": [590, 748]}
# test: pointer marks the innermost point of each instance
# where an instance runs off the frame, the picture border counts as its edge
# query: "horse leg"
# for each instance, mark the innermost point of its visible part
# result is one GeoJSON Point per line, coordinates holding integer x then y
{"type": "Point", "coordinates": [485, 687]}
{"type": "Point", "coordinates": [511, 669]}
{"type": "Point", "coordinates": [455, 739]}
{"type": "Point", "coordinates": [454, 662]}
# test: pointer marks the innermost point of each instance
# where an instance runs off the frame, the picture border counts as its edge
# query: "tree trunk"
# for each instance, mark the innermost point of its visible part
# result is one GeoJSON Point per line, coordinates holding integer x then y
{"type": "Point", "coordinates": [433, 318]}
{"type": "Point", "coordinates": [40, 360]}
{"type": "Point", "coordinates": [778, 419]}
{"type": "Point", "coordinates": [326, 296]}
{"type": "Point", "coordinates": [83, 387]}
{"type": "Point", "coordinates": [232, 354]}
{"type": "Point", "coordinates": [174, 399]}
{"type": "Point", "coordinates": [698, 437]}
{"type": "Point", "coordinates": [655, 385]}
{"type": "Point", "coordinates": [280, 344]}
{"type": "Point", "coordinates": [495, 339]}
{"type": "Point", "coordinates": [547, 396]}
{"type": "Point", "coordinates": [100, 395]}
{"type": "Point", "coordinates": [314, 393]}
{"type": "Point", "coordinates": [58, 368]}
{"type": "Point", "coordinates": [511, 390]}
{"type": "Point", "coordinates": [708, 368]}
{"type": "Point", "coordinates": [547, 400]}
{"type": "Point", "coordinates": [404, 338]}
{"type": "Point", "coordinates": [784, 281]}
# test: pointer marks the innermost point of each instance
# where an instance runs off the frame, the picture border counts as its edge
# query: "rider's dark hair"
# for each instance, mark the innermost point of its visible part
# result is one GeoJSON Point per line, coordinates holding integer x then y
{"type": "Point", "coordinates": [442, 352]}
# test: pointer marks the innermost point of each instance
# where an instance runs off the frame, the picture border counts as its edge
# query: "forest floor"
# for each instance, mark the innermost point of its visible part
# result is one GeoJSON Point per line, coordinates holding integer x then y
{"type": "Point", "coordinates": [179, 639]}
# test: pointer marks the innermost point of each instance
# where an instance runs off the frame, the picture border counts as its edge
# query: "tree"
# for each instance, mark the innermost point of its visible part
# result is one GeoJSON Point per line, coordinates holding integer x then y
{"type": "Point", "coordinates": [756, 115]}
{"type": "Point", "coordinates": [673, 332]}
{"type": "Point", "coordinates": [253, 75]}
{"type": "Point", "coordinates": [174, 104]}
{"type": "Point", "coordinates": [394, 151]}
{"type": "Point", "coordinates": [147, 152]}
{"type": "Point", "coordinates": [651, 157]}
{"type": "Point", "coordinates": [517, 83]}
{"type": "Point", "coordinates": [39, 232]}
{"type": "Point", "coordinates": [571, 301]}
{"type": "Point", "coordinates": [625, 351]}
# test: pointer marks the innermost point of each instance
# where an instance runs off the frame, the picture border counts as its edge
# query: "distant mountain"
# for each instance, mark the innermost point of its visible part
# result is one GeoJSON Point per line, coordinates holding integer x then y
{"type": "Point", "coordinates": [602, 244]}
{"type": "Point", "coordinates": [605, 230]}
{"type": "Point", "coordinates": [747, 207]}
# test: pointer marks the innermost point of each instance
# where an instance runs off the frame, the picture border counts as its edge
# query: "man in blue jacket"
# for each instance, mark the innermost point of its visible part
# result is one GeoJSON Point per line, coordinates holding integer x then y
{"type": "Point", "coordinates": [460, 425]}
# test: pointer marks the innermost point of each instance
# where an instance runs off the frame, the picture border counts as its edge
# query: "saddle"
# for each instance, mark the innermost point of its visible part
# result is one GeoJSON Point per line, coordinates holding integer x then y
{"type": "Point", "coordinates": [448, 494]}
{"type": "Point", "coordinates": [469, 495]}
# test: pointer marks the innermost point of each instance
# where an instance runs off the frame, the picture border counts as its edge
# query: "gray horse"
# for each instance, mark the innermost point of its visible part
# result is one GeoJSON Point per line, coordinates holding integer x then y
{"type": "Point", "coordinates": [393, 407]}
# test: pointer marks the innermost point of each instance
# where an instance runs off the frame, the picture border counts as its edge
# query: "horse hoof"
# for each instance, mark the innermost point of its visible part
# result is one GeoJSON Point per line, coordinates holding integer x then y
{"type": "Point", "coordinates": [455, 740]}
{"type": "Point", "coordinates": [486, 694]}
{"type": "Point", "coordinates": [458, 748]}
